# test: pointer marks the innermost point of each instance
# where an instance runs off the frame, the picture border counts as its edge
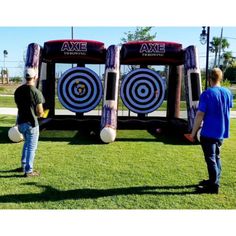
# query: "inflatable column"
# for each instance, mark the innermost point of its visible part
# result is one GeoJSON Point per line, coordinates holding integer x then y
{"type": "Point", "coordinates": [33, 59]}
{"type": "Point", "coordinates": [110, 99]}
{"type": "Point", "coordinates": [193, 86]}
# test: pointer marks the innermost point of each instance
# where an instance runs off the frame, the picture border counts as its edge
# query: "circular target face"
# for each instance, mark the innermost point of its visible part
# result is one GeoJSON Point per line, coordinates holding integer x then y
{"type": "Point", "coordinates": [79, 89]}
{"type": "Point", "coordinates": [142, 90]}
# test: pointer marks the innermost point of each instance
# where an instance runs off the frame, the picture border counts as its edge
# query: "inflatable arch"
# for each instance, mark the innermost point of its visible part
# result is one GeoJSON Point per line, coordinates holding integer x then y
{"type": "Point", "coordinates": [79, 89]}
{"type": "Point", "coordinates": [142, 90]}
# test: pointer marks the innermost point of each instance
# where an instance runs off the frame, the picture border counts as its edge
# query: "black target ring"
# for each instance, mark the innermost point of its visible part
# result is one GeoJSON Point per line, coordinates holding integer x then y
{"type": "Point", "coordinates": [79, 89]}
{"type": "Point", "coordinates": [142, 91]}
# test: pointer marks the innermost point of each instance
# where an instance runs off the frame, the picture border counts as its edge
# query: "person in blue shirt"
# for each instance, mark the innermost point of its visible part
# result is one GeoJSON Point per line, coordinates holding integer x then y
{"type": "Point", "coordinates": [214, 116]}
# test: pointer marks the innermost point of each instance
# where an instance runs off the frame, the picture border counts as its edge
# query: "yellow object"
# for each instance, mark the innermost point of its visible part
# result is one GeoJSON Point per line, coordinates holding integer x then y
{"type": "Point", "coordinates": [45, 114]}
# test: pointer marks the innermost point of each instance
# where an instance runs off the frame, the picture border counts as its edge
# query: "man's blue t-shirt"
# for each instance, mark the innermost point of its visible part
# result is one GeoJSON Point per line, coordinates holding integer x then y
{"type": "Point", "coordinates": [216, 102]}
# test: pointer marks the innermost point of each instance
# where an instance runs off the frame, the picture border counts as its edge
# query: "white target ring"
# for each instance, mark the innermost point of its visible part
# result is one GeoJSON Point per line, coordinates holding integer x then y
{"type": "Point", "coordinates": [142, 91]}
{"type": "Point", "coordinates": [79, 89]}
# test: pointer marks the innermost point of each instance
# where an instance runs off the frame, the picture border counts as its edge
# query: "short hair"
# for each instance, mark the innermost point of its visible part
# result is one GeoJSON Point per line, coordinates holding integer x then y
{"type": "Point", "coordinates": [216, 75]}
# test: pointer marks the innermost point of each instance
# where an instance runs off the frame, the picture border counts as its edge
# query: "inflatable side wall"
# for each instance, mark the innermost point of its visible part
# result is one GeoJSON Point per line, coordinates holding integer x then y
{"type": "Point", "coordinates": [110, 98]}
{"type": "Point", "coordinates": [33, 59]}
{"type": "Point", "coordinates": [193, 86]}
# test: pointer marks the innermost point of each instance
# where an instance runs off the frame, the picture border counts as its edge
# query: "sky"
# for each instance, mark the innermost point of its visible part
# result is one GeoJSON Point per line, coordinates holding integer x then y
{"type": "Point", "coordinates": [16, 39]}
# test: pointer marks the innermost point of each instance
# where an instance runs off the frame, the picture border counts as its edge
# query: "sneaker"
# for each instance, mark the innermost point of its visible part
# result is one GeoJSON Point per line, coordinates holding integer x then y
{"type": "Point", "coordinates": [32, 174]}
{"type": "Point", "coordinates": [208, 189]}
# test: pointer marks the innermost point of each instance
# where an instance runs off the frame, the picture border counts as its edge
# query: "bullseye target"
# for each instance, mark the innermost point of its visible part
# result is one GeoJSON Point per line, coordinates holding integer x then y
{"type": "Point", "coordinates": [79, 89]}
{"type": "Point", "coordinates": [142, 90]}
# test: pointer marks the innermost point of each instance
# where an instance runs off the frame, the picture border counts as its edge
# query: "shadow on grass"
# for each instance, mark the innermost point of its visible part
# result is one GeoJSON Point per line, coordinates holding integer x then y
{"type": "Point", "coordinates": [52, 194]}
{"type": "Point", "coordinates": [4, 135]}
{"type": "Point", "coordinates": [72, 137]}
{"type": "Point", "coordinates": [15, 173]}
{"type": "Point", "coordinates": [166, 138]}
{"type": "Point", "coordinates": [88, 137]}
{"type": "Point", "coordinates": [170, 138]}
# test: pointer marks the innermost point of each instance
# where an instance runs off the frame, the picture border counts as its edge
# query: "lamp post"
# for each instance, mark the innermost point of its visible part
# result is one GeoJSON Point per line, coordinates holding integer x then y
{"type": "Point", "coordinates": [72, 32]}
{"type": "Point", "coordinates": [4, 70]}
{"type": "Point", "coordinates": [5, 53]}
{"type": "Point", "coordinates": [72, 37]}
{"type": "Point", "coordinates": [204, 39]}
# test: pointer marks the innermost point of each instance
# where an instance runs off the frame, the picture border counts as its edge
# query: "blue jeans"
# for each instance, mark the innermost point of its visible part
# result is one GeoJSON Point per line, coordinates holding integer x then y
{"type": "Point", "coordinates": [211, 150]}
{"type": "Point", "coordinates": [31, 136]}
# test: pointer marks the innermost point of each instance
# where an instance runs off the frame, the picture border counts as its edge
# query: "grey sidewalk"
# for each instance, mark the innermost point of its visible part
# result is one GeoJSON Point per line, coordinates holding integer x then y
{"type": "Point", "coordinates": [183, 114]}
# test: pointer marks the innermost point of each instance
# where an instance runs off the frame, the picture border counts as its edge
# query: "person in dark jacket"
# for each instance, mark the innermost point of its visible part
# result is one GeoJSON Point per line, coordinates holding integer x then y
{"type": "Point", "coordinates": [29, 101]}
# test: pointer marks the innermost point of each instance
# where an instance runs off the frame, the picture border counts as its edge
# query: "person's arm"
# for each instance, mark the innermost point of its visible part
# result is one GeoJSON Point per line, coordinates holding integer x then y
{"type": "Point", "coordinates": [39, 110]}
{"type": "Point", "coordinates": [197, 123]}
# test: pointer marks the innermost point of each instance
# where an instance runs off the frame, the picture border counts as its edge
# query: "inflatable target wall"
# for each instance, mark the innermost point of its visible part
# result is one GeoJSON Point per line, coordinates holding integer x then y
{"type": "Point", "coordinates": [142, 90]}
{"type": "Point", "coordinates": [79, 88]}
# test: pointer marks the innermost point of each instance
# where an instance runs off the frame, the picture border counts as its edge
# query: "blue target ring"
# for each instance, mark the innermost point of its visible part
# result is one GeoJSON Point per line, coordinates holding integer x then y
{"type": "Point", "coordinates": [79, 89]}
{"type": "Point", "coordinates": [142, 90]}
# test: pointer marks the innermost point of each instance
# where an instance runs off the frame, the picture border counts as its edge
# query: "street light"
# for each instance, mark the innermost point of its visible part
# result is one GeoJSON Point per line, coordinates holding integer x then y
{"type": "Point", "coordinates": [204, 39]}
{"type": "Point", "coordinates": [4, 70]}
{"type": "Point", "coordinates": [5, 53]}
{"type": "Point", "coordinates": [72, 32]}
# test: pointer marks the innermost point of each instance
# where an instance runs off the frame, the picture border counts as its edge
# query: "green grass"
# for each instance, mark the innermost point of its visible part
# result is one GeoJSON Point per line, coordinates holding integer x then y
{"type": "Point", "coordinates": [137, 171]}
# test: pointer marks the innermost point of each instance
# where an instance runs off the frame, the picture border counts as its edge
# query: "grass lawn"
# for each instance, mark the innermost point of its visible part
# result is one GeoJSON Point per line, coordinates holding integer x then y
{"type": "Point", "coordinates": [137, 171]}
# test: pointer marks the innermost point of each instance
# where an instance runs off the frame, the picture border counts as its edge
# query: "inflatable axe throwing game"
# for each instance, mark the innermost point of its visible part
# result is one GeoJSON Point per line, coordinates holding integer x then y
{"type": "Point", "coordinates": [101, 97]}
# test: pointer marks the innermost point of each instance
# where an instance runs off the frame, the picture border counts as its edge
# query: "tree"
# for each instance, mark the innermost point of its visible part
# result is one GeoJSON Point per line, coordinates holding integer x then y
{"type": "Point", "coordinates": [230, 73]}
{"type": "Point", "coordinates": [228, 60]}
{"type": "Point", "coordinates": [4, 76]}
{"type": "Point", "coordinates": [140, 33]}
{"type": "Point", "coordinates": [215, 46]}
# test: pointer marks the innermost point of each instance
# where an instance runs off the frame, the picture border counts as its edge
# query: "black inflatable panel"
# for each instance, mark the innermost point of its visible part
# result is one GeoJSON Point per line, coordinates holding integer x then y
{"type": "Point", "coordinates": [152, 53]}
{"type": "Point", "coordinates": [74, 51]}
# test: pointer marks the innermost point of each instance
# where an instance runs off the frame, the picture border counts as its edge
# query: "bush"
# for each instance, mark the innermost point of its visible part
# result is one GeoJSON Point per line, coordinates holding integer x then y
{"type": "Point", "coordinates": [230, 74]}
{"type": "Point", "coordinates": [16, 79]}
{"type": "Point", "coordinates": [226, 83]}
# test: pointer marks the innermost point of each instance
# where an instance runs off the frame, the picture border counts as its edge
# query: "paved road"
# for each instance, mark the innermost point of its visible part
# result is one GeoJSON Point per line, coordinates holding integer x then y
{"type": "Point", "coordinates": [183, 114]}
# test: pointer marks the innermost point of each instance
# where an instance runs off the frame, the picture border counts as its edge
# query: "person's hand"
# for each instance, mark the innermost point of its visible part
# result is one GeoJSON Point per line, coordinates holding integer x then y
{"type": "Point", "coordinates": [45, 114]}
{"type": "Point", "coordinates": [189, 137]}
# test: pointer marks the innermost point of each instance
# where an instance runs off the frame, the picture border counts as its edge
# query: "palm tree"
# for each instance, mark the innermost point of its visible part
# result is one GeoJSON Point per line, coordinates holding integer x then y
{"type": "Point", "coordinates": [215, 46]}
{"type": "Point", "coordinates": [140, 34]}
